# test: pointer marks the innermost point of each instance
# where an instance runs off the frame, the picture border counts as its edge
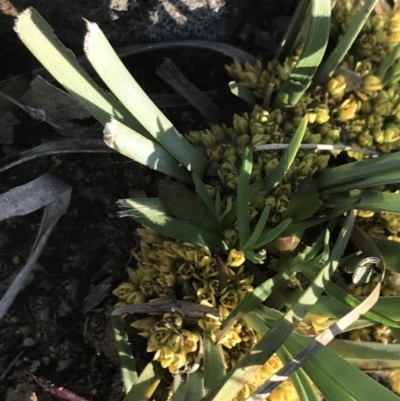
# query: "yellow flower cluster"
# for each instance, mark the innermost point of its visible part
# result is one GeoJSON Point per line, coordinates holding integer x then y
{"type": "Point", "coordinates": [165, 268]}
{"type": "Point", "coordinates": [378, 333]}
{"type": "Point", "coordinates": [174, 346]}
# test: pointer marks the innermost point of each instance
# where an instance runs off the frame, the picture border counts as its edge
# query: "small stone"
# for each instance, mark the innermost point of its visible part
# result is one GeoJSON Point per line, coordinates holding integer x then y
{"type": "Point", "coordinates": [29, 342]}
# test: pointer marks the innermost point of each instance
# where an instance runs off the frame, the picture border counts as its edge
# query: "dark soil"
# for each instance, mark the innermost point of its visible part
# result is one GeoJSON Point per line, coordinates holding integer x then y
{"type": "Point", "coordinates": [51, 331]}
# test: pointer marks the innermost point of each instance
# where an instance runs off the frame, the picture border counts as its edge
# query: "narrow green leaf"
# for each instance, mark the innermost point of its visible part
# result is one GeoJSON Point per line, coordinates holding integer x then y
{"type": "Point", "coordinates": [39, 38]}
{"type": "Point", "coordinates": [150, 213]}
{"type": "Point", "coordinates": [392, 76]}
{"type": "Point", "coordinates": [391, 254]}
{"type": "Point", "coordinates": [271, 181]}
{"type": "Point", "coordinates": [249, 365]}
{"type": "Point", "coordinates": [368, 355]}
{"type": "Point", "coordinates": [183, 204]}
{"type": "Point", "coordinates": [384, 178]}
{"type": "Point", "coordinates": [203, 193]}
{"type": "Point", "coordinates": [258, 229]}
{"type": "Point", "coordinates": [179, 386]}
{"type": "Point", "coordinates": [243, 199]}
{"type": "Point", "coordinates": [229, 207]}
{"type": "Point", "coordinates": [146, 383]}
{"type": "Point", "coordinates": [112, 71]}
{"type": "Point", "coordinates": [300, 226]}
{"type": "Point", "coordinates": [304, 388]}
{"type": "Point", "coordinates": [304, 201]}
{"type": "Point", "coordinates": [292, 32]}
{"type": "Point", "coordinates": [313, 52]}
{"type": "Point", "coordinates": [240, 90]}
{"type": "Point", "coordinates": [214, 363]}
{"type": "Point", "coordinates": [218, 206]}
{"type": "Point", "coordinates": [195, 390]}
{"type": "Point", "coordinates": [353, 172]}
{"type": "Point", "coordinates": [388, 62]}
{"type": "Point", "coordinates": [143, 150]}
{"type": "Point", "coordinates": [333, 308]}
{"type": "Point", "coordinates": [126, 359]}
{"type": "Point", "coordinates": [267, 236]}
{"type": "Point", "coordinates": [335, 58]}
{"type": "Point", "coordinates": [374, 201]}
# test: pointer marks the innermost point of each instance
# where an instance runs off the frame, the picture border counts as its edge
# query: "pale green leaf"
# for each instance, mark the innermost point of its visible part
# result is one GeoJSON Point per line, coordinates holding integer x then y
{"type": "Point", "coordinates": [143, 150]}
{"type": "Point", "coordinates": [313, 52]}
{"type": "Point", "coordinates": [195, 390]}
{"type": "Point", "coordinates": [368, 355]}
{"type": "Point", "coordinates": [126, 359]}
{"type": "Point", "coordinates": [258, 229]}
{"type": "Point", "coordinates": [292, 33]}
{"type": "Point", "coordinates": [267, 236]}
{"type": "Point", "coordinates": [356, 171]}
{"type": "Point", "coordinates": [150, 213]}
{"type": "Point", "coordinates": [214, 362]}
{"type": "Point", "coordinates": [146, 384]}
{"type": "Point", "coordinates": [116, 76]}
{"type": "Point", "coordinates": [374, 201]}
{"type": "Point", "coordinates": [203, 193]}
{"type": "Point", "coordinates": [243, 198]}
{"type": "Point", "coordinates": [240, 90]}
{"type": "Point", "coordinates": [39, 38]}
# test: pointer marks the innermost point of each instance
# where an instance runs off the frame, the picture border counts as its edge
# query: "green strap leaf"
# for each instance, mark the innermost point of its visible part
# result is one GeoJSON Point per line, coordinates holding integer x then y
{"type": "Point", "coordinates": [150, 213]}
{"type": "Point", "coordinates": [203, 193]}
{"type": "Point", "coordinates": [374, 201]}
{"type": "Point", "coordinates": [214, 362]}
{"type": "Point", "coordinates": [240, 90]}
{"type": "Point", "coordinates": [255, 235]}
{"type": "Point", "coordinates": [292, 33]}
{"type": "Point", "coordinates": [243, 198]}
{"type": "Point", "coordinates": [146, 383]}
{"type": "Point", "coordinates": [38, 36]}
{"type": "Point", "coordinates": [368, 355]}
{"type": "Point", "coordinates": [143, 150]}
{"type": "Point", "coordinates": [195, 390]}
{"type": "Point", "coordinates": [345, 43]}
{"type": "Point", "coordinates": [267, 236]}
{"type": "Point", "coordinates": [126, 359]}
{"type": "Point", "coordinates": [185, 205]}
{"type": "Point", "coordinates": [391, 254]}
{"type": "Point", "coordinates": [313, 52]}
{"type": "Point", "coordinates": [356, 171]}
{"type": "Point", "coordinates": [304, 201]}
{"type": "Point", "coordinates": [112, 71]}
{"type": "Point", "coordinates": [271, 181]}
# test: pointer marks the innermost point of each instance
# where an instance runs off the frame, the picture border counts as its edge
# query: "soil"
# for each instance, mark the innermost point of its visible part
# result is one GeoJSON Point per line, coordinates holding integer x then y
{"type": "Point", "coordinates": [51, 330]}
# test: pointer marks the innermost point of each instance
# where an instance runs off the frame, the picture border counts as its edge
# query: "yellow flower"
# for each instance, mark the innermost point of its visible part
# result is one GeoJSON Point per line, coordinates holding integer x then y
{"type": "Point", "coordinates": [235, 258]}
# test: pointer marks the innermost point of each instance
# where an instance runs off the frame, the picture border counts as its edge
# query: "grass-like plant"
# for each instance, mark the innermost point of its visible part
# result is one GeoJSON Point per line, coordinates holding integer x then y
{"type": "Point", "coordinates": [242, 275]}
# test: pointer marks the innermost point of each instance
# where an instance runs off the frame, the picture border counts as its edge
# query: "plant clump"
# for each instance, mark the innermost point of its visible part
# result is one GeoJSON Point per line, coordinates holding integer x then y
{"type": "Point", "coordinates": [358, 107]}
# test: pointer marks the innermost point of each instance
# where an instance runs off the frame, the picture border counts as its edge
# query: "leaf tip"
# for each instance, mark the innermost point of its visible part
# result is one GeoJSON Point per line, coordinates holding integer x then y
{"type": "Point", "coordinates": [26, 14]}
{"type": "Point", "coordinates": [92, 29]}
